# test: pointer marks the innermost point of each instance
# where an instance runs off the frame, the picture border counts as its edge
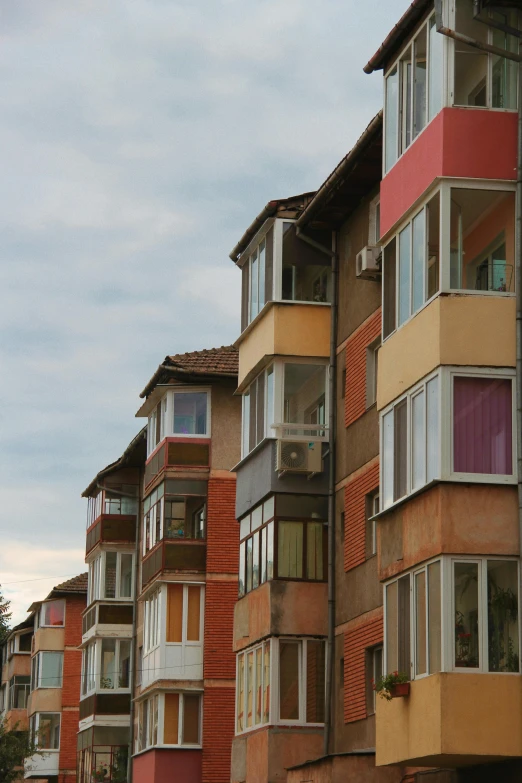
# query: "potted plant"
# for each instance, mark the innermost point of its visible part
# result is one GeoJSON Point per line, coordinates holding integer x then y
{"type": "Point", "coordinates": [392, 686]}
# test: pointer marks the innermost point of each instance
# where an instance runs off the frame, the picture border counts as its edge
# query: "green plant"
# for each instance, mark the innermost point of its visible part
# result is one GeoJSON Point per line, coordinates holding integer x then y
{"type": "Point", "coordinates": [386, 682]}
{"type": "Point", "coordinates": [15, 747]}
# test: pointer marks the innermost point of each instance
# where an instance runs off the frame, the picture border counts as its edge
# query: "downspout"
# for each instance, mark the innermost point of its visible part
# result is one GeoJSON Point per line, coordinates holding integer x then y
{"type": "Point", "coordinates": [332, 425]}
{"type": "Point", "coordinates": [484, 47]}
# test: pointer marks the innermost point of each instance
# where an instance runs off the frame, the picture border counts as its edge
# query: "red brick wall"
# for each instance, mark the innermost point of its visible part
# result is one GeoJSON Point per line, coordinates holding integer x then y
{"type": "Point", "coordinates": [68, 738]}
{"type": "Point", "coordinates": [355, 392]}
{"type": "Point", "coordinates": [356, 642]}
{"type": "Point", "coordinates": [74, 606]}
{"type": "Point", "coordinates": [219, 661]}
{"type": "Point", "coordinates": [355, 515]}
{"type": "Point", "coordinates": [72, 667]}
{"type": "Point", "coordinates": [218, 733]}
{"type": "Point", "coordinates": [222, 528]}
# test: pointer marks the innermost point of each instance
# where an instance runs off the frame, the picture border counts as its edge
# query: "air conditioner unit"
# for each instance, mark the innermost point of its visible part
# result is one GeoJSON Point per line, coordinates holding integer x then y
{"type": "Point", "coordinates": [297, 456]}
{"type": "Point", "coordinates": [367, 262]}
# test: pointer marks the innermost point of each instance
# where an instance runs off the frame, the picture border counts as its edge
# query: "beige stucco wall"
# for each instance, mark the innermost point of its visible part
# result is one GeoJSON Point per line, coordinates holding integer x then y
{"type": "Point", "coordinates": [49, 639]}
{"type": "Point", "coordinates": [45, 700]}
{"type": "Point", "coordinates": [285, 329]}
{"type": "Point", "coordinates": [20, 664]}
{"type": "Point", "coordinates": [225, 426]}
{"type": "Point", "coordinates": [263, 756]}
{"type": "Point", "coordinates": [452, 719]}
{"type": "Point", "coordinates": [457, 329]}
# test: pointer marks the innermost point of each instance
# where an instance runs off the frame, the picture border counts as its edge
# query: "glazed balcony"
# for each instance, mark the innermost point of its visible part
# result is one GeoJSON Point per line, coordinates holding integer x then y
{"type": "Point", "coordinates": [100, 705]}
{"type": "Point", "coordinates": [108, 618]}
{"type": "Point", "coordinates": [175, 452]}
{"type": "Point", "coordinates": [175, 556]}
{"type": "Point", "coordinates": [111, 528]}
{"type": "Point", "coordinates": [452, 719]}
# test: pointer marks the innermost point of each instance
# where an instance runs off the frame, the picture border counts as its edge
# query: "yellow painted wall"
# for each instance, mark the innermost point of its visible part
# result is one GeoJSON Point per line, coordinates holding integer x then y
{"type": "Point", "coordinates": [452, 719]}
{"type": "Point", "coordinates": [49, 639]}
{"type": "Point", "coordinates": [456, 329]}
{"type": "Point", "coordinates": [285, 329]}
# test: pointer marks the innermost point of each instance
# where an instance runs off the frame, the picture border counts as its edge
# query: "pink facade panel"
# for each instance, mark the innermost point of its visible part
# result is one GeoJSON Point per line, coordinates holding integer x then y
{"type": "Point", "coordinates": [164, 766]}
{"type": "Point", "coordinates": [471, 143]}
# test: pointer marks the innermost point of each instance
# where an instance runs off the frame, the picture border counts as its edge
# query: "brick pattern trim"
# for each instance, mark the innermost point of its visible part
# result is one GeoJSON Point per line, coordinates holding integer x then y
{"type": "Point", "coordinates": [356, 643]}
{"type": "Point", "coordinates": [355, 515]}
{"type": "Point", "coordinates": [355, 392]}
{"type": "Point", "coordinates": [219, 661]}
{"type": "Point", "coordinates": [218, 733]}
{"type": "Point", "coordinates": [222, 528]}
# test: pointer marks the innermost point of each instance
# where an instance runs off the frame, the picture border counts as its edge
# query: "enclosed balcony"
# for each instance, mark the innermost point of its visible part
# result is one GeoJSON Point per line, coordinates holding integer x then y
{"type": "Point", "coordinates": [103, 754]}
{"type": "Point", "coordinates": [112, 515]}
{"type": "Point", "coordinates": [175, 556]}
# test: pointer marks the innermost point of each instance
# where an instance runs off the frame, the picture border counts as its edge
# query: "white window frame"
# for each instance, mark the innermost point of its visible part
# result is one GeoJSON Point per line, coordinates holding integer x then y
{"type": "Point", "coordinates": [166, 403]}
{"type": "Point", "coordinates": [160, 728]}
{"type": "Point", "coordinates": [41, 613]}
{"type": "Point", "coordinates": [92, 666]}
{"type": "Point", "coordinates": [268, 643]}
{"type": "Point", "coordinates": [185, 642]}
{"type": "Point", "coordinates": [158, 507]}
{"type": "Point", "coordinates": [36, 670]}
{"type": "Point", "coordinates": [152, 614]}
{"type": "Point", "coordinates": [35, 730]}
{"type": "Point", "coordinates": [96, 577]}
{"type": "Point", "coordinates": [374, 502]}
{"type": "Point", "coordinates": [372, 351]}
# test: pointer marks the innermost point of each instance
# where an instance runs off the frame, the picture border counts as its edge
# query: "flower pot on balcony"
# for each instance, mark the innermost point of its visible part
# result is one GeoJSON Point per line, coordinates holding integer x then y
{"type": "Point", "coordinates": [400, 690]}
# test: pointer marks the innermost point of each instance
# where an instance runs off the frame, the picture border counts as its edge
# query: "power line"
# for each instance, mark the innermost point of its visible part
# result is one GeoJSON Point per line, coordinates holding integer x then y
{"type": "Point", "coordinates": [38, 579]}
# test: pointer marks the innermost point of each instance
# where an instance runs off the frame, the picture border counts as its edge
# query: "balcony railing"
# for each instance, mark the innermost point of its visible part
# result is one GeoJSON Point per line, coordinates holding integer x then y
{"type": "Point", "coordinates": [113, 528]}
{"type": "Point", "coordinates": [107, 614]}
{"type": "Point", "coordinates": [18, 695]}
{"type": "Point", "coordinates": [105, 704]}
{"type": "Point", "coordinates": [103, 763]}
{"type": "Point", "coordinates": [176, 452]}
{"type": "Point", "coordinates": [187, 556]}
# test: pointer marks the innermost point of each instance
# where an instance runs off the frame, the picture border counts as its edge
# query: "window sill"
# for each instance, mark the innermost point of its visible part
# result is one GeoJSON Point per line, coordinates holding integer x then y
{"type": "Point", "coordinates": [250, 454]}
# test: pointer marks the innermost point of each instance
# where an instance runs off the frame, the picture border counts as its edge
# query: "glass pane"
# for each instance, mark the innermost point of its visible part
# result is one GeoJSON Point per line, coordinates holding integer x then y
{"type": "Point", "coordinates": [391, 118]}
{"type": "Point", "coordinates": [261, 276]}
{"type": "Point", "coordinates": [389, 288]}
{"type": "Point", "coordinates": [259, 684]}
{"type": "Point", "coordinates": [306, 272]}
{"type": "Point", "coordinates": [482, 431]}
{"type": "Point", "coordinates": [314, 550]}
{"type": "Point", "coordinates": [482, 234]}
{"type": "Point", "coordinates": [124, 674]}
{"type": "Point", "coordinates": [190, 719]}
{"type": "Point", "coordinates": [253, 286]}
{"type": "Point", "coordinates": [435, 69]}
{"type": "Point", "coordinates": [53, 613]}
{"type": "Point", "coordinates": [108, 664]}
{"type": "Point", "coordinates": [255, 558]}
{"type": "Point", "coordinates": [194, 613]}
{"type": "Point", "coordinates": [400, 457]}
{"type": "Point", "coordinates": [466, 616]}
{"type": "Point", "coordinates": [433, 249]}
{"type": "Point", "coordinates": [471, 64]}
{"type": "Point", "coordinates": [387, 459]}
{"type": "Point", "coordinates": [51, 667]}
{"type": "Point", "coordinates": [503, 642]}
{"type": "Point", "coordinates": [242, 568]}
{"type": "Point", "coordinates": [110, 574]}
{"type": "Point", "coordinates": [249, 688]}
{"type": "Point", "coordinates": [125, 575]}
{"type": "Point", "coordinates": [270, 402]}
{"type": "Point", "coordinates": [249, 564]}
{"type": "Point", "coordinates": [49, 731]}
{"type": "Point", "coordinates": [263, 555]}
{"type": "Point", "coordinates": [257, 517]}
{"type": "Point", "coordinates": [304, 392]}
{"type": "Point", "coordinates": [419, 253]}
{"type": "Point", "coordinates": [302, 506]}
{"type": "Point", "coordinates": [290, 550]}
{"type": "Point", "coordinates": [432, 426]}
{"type": "Point", "coordinates": [266, 682]}
{"type": "Point", "coordinates": [504, 72]}
{"type": "Point", "coordinates": [288, 680]}
{"type": "Point", "coordinates": [392, 650]}
{"type": "Point", "coordinates": [419, 87]}
{"type": "Point", "coordinates": [270, 551]}
{"type": "Point", "coordinates": [245, 427]}
{"type": "Point", "coordinates": [315, 681]}
{"type": "Point", "coordinates": [420, 623]}
{"type": "Point", "coordinates": [406, 113]}
{"type": "Point", "coordinates": [404, 274]}
{"type": "Point", "coordinates": [190, 413]}
{"type": "Point", "coordinates": [418, 457]}
{"type": "Point", "coordinates": [240, 691]}
{"type": "Point", "coordinates": [434, 617]}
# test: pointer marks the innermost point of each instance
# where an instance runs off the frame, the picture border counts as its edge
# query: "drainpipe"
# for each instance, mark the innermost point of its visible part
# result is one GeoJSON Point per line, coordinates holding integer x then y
{"type": "Point", "coordinates": [332, 425]}
{"type": "Point", "coordinates": [485, 47]}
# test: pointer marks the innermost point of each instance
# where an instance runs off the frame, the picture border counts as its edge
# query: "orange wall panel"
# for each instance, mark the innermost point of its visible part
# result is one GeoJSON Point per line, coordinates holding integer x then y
{"type": "Point", "coordinates": [355, 493]}
{"type": "Point", "coordinates": [218, 733]}
{"type": "Point", "coordinates": [219, 661]}
{"type": "Point", "coordinates": [356, 642]}
{"type": "Point", "coordinates": [355, 392]}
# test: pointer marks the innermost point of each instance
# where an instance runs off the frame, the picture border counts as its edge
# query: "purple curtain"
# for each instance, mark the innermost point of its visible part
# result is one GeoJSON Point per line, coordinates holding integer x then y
{"type": "Point", "coordinates": [482, 436]}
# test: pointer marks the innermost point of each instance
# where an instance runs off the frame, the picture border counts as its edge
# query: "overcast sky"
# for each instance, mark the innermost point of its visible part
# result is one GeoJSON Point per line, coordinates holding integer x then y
{"type": "Point", "coordinates": [138, 140]}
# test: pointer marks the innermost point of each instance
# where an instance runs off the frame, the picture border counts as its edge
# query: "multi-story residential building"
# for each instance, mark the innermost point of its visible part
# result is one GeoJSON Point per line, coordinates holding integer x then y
{"type": "Point", "coordinates": [188, 571]}
{"type": "Point", "coordinates": [16, 675]}
{"type": "Point", "coordinates": [55, 680]}
{"type": "Point", "coordinates": [280, 622]}
{"type": "Point", "coordinates": [108, 625]}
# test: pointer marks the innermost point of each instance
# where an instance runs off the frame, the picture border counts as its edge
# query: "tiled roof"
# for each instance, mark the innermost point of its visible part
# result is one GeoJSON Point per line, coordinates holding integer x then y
{"type": "Point", "coordinates": [78, 584]}
{"type": "Point", "coordinates": [214, 361]}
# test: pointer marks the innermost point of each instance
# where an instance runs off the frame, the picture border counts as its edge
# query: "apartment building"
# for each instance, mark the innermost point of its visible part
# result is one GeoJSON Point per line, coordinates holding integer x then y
{"type": "Point", "coordinates": [55, 666]}
{"type": "Point", "coordinates": [15, 655]}
{"type": "Point", "coordinates": [188, 547]}
{"type": "Point", "coordinates": [108, 623]}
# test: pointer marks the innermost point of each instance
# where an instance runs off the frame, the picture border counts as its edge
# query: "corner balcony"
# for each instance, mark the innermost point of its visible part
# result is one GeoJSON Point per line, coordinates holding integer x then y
{"type": "Point", "coordinates": [111, 528]}
{"type": "Point", "coordinates": [177, 556]}
{"type": "Point", "coordinates": [452, 720]}
{"type": "Point", "coordinates": [178, 453]}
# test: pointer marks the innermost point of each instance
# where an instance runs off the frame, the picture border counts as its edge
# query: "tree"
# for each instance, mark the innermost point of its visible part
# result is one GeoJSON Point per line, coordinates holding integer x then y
{"type": "Point", "coordinates": [15, 747]}
{"type": "Point", "coordinates": [5, 616]}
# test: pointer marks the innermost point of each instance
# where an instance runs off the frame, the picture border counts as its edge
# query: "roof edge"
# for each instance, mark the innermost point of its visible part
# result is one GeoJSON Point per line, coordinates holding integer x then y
{"type": "Point", "coordinates": [395, 37]}
{"type": "Point", "coordinates": [116, 464]}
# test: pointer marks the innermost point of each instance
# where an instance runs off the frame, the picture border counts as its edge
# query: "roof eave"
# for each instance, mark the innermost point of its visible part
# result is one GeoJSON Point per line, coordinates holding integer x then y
{"type": "Point", "coordinates": [397, 35]}
{"type": "Point", "coordinates": [114, 465]}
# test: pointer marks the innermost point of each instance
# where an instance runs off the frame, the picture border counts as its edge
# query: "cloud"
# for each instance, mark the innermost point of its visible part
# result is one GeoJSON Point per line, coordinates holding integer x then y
{"type": "Point", "coordinates": [138, 139]}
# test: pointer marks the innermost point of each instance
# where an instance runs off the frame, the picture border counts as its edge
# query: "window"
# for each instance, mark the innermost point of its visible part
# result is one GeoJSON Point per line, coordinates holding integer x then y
{"type": "Point", "coordinates": [185, 603]}
{"type": "Point", "coordinates": [52, 613]}
{"type": "Point", "coordinates": [372, 354]}
{"type": "Point", "coordinates": [176, 509]}
{"type": "Point", "coordinates": [106, 665]}
{"type": "Point", "coordinates": [169, 719]}
{"type": "Point", "coordinates": [374, 220]}
{"type": "Point", "coordinates": [45, 730]}
{"type": "Point", "coordinates": [374, 670]}
{"type": "Point", "coordinates": [284, 538]}
{"type": "Point", "coordinates": [411, 267]}
{"type": "Point", "coordinates": [413, 91]}
{"type": "Point", "coordinates": [19, 688]}
{"type": "Point", "coordinates": [111, 576]}
{"type": "Point", "coordinates": [482, 239]}
{"type": "Point", "coordinates": [3, 699]}
{"type": "Point", "coordinates": [181, 413]}
{"type": "Point", "coordinates": [481, 78]}
{"type": "Point", "coordinates": [372, 508]}
{"type": "Point", "coordinates": [258, 411]}
{"type": "Point", "coordinates": [151, 622]}
{"type": "Point", "coordinates": [46, 670]}
{"type": "Point", "coordinates": [478, 611]}
{"type": "Point", "coordinates": [306, 271]}
{"type": "Point", "coordinates": [297, 674]}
